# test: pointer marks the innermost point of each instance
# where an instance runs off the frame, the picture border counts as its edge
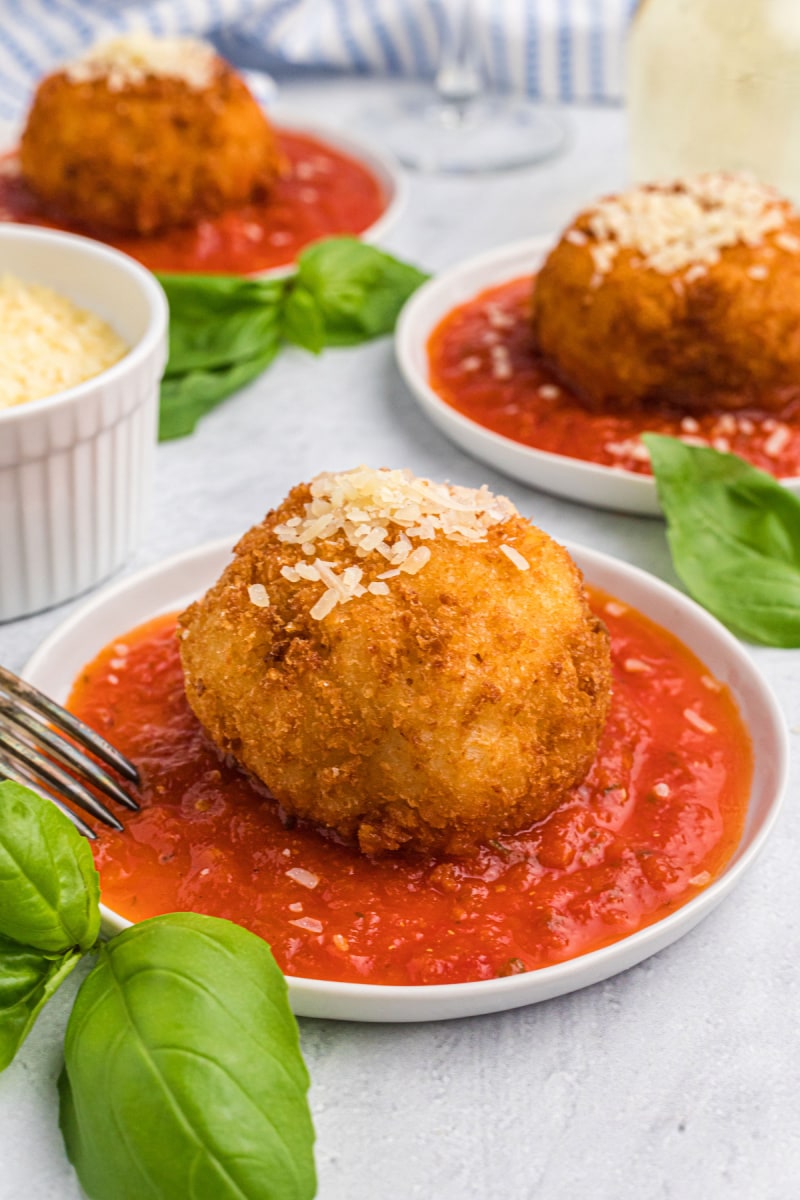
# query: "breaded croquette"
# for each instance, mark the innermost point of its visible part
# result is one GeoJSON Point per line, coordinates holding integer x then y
{"type": "Point", "coordinates": [685, 294]}
{"type": "Point", "coordinates": [410, 665]}
{"type": "Point", "coordinates": [145, 133]}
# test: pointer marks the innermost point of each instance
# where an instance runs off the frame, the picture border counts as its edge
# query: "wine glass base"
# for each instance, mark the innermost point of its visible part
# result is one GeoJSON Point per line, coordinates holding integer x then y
{"type": "Point", "coordinates": [488, 133]}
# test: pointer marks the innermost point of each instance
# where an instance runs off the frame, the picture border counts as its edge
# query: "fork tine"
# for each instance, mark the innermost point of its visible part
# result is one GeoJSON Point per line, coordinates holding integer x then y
{"type": "Point", "coordinates": [41, 704]}
{"type": "Point", "coordinates": [56, 776]}
{"type": "Point", "coordinates": [66, 753]}
{"type": "Point", "coordinates": [10, 770]}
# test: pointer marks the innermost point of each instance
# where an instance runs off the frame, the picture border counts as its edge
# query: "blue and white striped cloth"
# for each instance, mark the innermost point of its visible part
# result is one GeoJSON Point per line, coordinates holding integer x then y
{"type": "Point", "coordinates": [551, 49]}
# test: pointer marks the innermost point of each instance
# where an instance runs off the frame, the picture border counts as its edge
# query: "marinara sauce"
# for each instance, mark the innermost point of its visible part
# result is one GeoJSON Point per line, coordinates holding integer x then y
{"type": "Point", "coordinates": [659, 815]}
{"type": "Point", "coordinates": [321, 192]}
{"type": "Point", "coordinates": [483, 362]}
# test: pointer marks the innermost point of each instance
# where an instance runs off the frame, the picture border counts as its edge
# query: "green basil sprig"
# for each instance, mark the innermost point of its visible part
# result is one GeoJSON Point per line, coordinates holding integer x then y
{"type": "Point", "coordinates": [225, 330]}
{"type": "Point", "coordinates": [49, 888]}
{"type": "Point", "coordinates": [734, 536]}
{"type": "Point", "coordinates": [183, 1074]}
{"type": "Point", "coordinates": [28, 978]}
{"type": "Point", "coordinates": [346, 292]}
{"type": "Point", "coordinates": [49, 908]}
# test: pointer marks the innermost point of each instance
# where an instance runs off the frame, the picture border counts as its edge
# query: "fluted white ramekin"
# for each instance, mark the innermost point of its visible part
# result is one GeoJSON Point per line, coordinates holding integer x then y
{"type": "Point", "coordinates": [76, 467]}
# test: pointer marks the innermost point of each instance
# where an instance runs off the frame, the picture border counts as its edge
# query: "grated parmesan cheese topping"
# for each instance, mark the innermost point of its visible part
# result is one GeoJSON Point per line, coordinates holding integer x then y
{"type": "Point", "coordinates": [258, 595]}
{"type": "Point", "coordinates": [686, 223]}
{"type": "Point", "coordinates": [47, 343]}
{"type": "Point", "coordinates": [306, 879]}
{"type": "Point", "coordinates": [129, 60]}
{"type": "Point", "coordinates": [389, 513]}
{"type": "Point", "coordinates": [519, 561]}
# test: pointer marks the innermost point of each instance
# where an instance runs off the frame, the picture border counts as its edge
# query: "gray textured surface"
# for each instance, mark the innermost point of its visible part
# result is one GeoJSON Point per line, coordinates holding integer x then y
{"type": "Point", "coordinates": [678, 1080]}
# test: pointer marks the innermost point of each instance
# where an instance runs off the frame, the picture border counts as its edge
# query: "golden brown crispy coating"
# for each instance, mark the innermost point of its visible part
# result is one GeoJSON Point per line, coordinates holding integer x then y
{"type": "Point", "coordinates": [702, 336]}
{"type": "Point", "coordinates": [149, 155]}
{"type": "Point", "coordinates": [465, 702]}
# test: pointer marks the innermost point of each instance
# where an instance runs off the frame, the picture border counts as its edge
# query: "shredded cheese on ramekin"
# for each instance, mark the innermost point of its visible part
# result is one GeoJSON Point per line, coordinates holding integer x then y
{"type": "Point", "coordinates": [48, 344]}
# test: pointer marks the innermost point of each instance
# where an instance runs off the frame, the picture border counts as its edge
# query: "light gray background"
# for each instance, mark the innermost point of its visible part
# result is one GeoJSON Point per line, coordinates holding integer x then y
{"type": "Point", "coordinates": [678, 1080]}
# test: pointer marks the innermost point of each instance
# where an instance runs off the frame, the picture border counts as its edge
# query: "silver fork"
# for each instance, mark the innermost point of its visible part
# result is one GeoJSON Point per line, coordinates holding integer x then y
{"type": "Point", "coordinates": [39, 747]}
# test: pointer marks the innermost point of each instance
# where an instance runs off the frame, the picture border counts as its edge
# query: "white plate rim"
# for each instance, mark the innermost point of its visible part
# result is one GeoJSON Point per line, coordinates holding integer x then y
{"type": "Point", "coordinates": [388, 172]}
{"type": "Point", "coordinates": [396, 1003]}
{"type": "Point", "coordinates": [575, 479]}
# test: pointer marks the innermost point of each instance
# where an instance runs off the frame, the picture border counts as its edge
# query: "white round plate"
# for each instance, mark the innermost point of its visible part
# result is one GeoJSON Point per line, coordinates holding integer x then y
{"type": "Point", "coordinates": [589, 483]}
{"type": "Point", "coordinates": [172, 584]}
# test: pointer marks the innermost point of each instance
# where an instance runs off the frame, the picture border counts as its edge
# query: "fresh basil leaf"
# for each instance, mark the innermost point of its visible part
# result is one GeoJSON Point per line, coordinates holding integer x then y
{"type": "Point", "coordinates": [186, 398]}
{"type": "Point", "coordinates": [49, 890]}
{"type": "Point", "coordinates": [734, 536]}
{"type": "Point", "coordinates": [28, 978]}
{"type": "Point", "coordinates": [225, 330]}
{"type": "Point", "coordinates": [358, 290]}
{"type": "Point", "coordinates": [183, 1074]}
{"type": "Point", "coordinates": [238, 337]}
{"type": "Point", "coordinates": [303, 323]}
{"type": "Point", "coordinates": [216, 321]}
{"type": "Point", "coordinates": [218, 294]}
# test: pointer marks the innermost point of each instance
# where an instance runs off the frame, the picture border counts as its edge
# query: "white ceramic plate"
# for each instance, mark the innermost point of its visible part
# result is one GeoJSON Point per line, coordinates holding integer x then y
{"type": "Point", "coordinates": [174, 583]}
{"type": "Point", "coordinates": [389, 175]}
{"type": "Point", "coordinates": [589, 483]}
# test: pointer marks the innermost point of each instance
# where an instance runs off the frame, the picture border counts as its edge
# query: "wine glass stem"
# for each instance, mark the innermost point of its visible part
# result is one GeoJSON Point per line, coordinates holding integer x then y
{"type": "Point", "coordinates": [458, 76]}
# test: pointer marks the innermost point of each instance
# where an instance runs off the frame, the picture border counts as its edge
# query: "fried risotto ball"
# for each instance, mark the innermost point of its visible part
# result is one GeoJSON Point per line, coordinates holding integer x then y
{"type": "Point", "coordinates": [407, 664]}
{"type": "Point", "coordinates": [685, 294]}
{"type": "Point", "coordinates": [144, 134]}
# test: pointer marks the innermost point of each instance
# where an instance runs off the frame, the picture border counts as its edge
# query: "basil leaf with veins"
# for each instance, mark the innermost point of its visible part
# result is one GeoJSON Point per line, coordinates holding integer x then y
{"type": "Point", "coordinates": [28, 978]}
{"type": "Point", "coordinates": [224, 330]}
{"type": "Point", "coordinates": [303, 322]}
{"type": "Point", "coordinates": [734, 536]}
{"type": "Point", "coordinates": [188, 397]}
{"type": "Point", "coordinates": [183, 1074]}
{"type": "Point", "coordinates": [357, 291]}
{"type": "Point", "coordinates": [49, 889]}
{"type": "Point", "coordinates": [217, 321]}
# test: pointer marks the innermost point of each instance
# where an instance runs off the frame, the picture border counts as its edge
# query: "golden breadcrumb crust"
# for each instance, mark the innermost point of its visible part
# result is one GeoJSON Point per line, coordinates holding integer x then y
{"type": "Point", "coordinates": [148, 156]}
{"type": "Point", "coordinates": [466, 702]}
{"type": "Point", "coordinates": [699, 340]}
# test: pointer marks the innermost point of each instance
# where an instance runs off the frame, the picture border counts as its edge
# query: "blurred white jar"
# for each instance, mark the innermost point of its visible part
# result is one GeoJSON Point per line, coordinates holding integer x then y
{"type": "Point", "coordinates": [715, 85]}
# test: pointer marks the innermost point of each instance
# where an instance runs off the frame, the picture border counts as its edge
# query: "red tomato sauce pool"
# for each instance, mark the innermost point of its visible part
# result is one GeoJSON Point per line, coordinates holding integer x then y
{"type": "Point", "coordinates": [659, 815]}
{"type": "Point", "coordinates": [483, 362]}
{"type": "Point", "coordinates": [322, 192]}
